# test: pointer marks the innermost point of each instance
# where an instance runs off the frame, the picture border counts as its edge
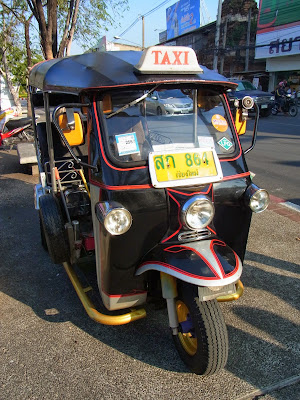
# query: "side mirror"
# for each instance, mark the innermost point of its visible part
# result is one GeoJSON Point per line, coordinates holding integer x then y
{"type": "Point", "coordinates": [71, 125]}
{"type": "Point", "coordinates": [154, 97]}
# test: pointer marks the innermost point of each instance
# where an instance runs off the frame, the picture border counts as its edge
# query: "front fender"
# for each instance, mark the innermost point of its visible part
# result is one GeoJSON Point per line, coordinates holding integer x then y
{"type": "Point", "coordinates": [202, 263]}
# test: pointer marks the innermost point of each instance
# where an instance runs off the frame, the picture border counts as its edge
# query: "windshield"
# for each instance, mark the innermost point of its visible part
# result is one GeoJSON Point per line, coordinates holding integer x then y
{"type": "Point", "coordinates": [245, 85]}
{"type": "Point", "coordinates": [150, 125]}
{"type": "Point", "coordinates": [170, 94]}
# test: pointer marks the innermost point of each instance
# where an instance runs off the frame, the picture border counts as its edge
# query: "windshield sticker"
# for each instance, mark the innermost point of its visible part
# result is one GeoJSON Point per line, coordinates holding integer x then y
{"type": "Point", "coordinates": [225, 143]}
{"type": "Point", "coordinates": [206, 141]}
{"type": "Point", "coordinates": [127, 144]}
{"type": "Point", "coordinates": [219, 123]}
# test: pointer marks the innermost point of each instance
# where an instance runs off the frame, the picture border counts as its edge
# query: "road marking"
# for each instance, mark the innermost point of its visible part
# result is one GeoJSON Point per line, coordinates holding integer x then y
{"type": "Point", "coordinates": [293, 206]}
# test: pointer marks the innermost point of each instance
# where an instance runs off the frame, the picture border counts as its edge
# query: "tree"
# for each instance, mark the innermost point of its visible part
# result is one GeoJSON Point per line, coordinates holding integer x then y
{"type": "Point", "coordinates": [80, 19]}
{"type": "Point", "coordinates": [8, 24]}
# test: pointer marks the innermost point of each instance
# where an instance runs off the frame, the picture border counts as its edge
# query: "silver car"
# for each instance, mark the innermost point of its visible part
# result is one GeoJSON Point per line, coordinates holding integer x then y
{"type": "Point", "coordinates": [168, 102]}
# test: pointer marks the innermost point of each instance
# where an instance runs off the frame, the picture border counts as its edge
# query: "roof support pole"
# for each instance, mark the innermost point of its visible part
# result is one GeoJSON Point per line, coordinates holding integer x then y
{"type": "Point", "coordinates": [50, 142]}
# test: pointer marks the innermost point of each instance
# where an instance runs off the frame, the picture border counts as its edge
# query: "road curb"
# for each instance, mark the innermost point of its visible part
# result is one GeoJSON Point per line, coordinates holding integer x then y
{"type": "Point", "coordinates": [284, 208]}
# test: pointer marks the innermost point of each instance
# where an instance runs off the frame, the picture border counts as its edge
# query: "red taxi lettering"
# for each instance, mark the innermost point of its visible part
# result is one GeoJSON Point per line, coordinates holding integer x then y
{"type": "Point", "coordinates": [176, 57]}
{"type": "Point", "coordinates": [156, 52]}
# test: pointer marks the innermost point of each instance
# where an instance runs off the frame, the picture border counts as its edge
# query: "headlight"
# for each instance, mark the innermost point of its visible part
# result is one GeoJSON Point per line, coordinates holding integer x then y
{"type": "Point", "coordinates": [272, 98]}
{"type": "Point", "coordinates": [169, 105]}
{"type": "Point", "coordinates": [257, 199]}
{"type": "Point", "coordinates": [116, 219]}
{"type": "Point", "coordinates": [197, 212]}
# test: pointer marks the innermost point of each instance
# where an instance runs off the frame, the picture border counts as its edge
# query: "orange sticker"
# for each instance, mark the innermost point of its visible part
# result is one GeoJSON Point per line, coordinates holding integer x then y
{"type": "Point", "coordinates": [219, 123]}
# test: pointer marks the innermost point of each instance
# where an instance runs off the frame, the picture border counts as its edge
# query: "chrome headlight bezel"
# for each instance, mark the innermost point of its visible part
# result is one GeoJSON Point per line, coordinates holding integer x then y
{"type": "Point", "coordinates": [257, 199]}
{"type": "Point", "coordinates": [105, 211]}
{"type": "Point", "coordinates": [197, 201]}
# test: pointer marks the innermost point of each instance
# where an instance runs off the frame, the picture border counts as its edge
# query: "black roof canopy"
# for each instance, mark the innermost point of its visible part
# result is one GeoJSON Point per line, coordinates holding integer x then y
{"type": "Point", "coordinates": [106, 69]}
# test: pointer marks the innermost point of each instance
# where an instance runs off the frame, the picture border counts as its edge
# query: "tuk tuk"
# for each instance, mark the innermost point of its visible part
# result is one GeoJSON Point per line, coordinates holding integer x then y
{"type": "Point", "coordinates": [142, 171]}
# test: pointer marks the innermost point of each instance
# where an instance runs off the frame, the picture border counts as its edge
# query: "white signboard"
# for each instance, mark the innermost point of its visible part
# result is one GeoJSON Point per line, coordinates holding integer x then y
{"type": "Point", "coordinates": [277, 43]}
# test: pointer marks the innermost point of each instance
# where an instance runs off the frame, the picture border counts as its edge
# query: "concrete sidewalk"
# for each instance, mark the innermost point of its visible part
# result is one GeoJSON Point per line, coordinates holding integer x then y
{"type": "Point", "coordinates": [50, 349]}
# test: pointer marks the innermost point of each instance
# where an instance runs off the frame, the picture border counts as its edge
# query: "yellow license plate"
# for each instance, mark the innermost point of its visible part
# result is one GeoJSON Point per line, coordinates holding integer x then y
{"type": "Point", "coordinates": [184, 167]}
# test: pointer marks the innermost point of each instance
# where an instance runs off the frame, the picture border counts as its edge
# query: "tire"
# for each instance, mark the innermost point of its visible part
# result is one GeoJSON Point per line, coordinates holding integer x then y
{"type": "Point", "coordinates": [293, 111]}
{"type": "Point", "coordinates": [42, 233]}
{"type": "Point", "coordinates": [206, 353]}
{"type": "Point", "coordinates": [275, 110]}
{"type": "Point", "coordinates": [159, 111]}
{"type": "Point", "coordinates": [53, 228]}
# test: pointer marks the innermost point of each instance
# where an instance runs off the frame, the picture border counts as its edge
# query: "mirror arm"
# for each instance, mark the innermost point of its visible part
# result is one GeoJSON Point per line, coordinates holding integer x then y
{"type": "Point", "coordinates": [254, 129]}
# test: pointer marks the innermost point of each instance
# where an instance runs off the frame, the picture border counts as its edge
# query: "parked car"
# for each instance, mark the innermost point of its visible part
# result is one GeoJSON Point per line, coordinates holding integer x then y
{"type": "Point", "coordinates": [264, 100]}
{"type": "Point", "coordinates": [168, 102]}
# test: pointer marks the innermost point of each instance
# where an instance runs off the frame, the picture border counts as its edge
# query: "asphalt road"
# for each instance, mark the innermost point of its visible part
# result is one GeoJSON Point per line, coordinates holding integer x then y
{"type": "Point", "coordinates": [275, 158]}
{"type": "Point", "coordinates": [50, 349]}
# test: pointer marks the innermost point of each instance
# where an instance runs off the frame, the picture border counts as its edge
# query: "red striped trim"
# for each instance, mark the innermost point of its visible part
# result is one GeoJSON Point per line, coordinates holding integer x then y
{"type": "Point", "coordinates": [101, 145]}
{"type": "Point", "coordinates": [227, 178]}
{"type": "Point", "coordinates": [191, 194]}
{"type": "Point", "coordinates": [198, 254]}
{"type": "Point", "coordinates": [239, 144]}
{"type": "Point", "coordinates": [180, 224]}
{"type": "Point", "coordinates": [178, 270]}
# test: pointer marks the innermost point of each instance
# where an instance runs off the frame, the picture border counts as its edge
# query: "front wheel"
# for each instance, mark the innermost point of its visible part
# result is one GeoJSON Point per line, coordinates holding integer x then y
{"type": "Point", "coordinates": [293, 111]}
{"type": "Point", "coordinates": [202, 342]}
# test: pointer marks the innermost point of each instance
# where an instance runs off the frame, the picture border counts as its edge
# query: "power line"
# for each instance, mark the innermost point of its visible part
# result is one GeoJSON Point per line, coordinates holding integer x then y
{"type": "Point", "coordinates": [144, 15]}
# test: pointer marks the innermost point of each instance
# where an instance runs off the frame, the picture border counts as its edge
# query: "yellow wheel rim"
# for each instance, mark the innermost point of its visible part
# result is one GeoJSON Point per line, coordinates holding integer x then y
{"type": "Point", "coordinates": [188, 342]}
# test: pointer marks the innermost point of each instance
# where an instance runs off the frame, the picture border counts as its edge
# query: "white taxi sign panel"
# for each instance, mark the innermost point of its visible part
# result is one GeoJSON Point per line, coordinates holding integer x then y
{"type": "Point", "coordinates": [168, 60]}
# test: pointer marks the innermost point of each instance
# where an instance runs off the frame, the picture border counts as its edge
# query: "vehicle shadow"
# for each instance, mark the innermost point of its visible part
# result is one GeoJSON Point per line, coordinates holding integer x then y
{"type": "Point", "coordinates": [261, 341]}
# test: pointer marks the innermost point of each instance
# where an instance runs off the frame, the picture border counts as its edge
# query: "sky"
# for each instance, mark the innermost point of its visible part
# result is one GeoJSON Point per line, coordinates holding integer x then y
{"type": "Point", "coordinates": [154, 23]}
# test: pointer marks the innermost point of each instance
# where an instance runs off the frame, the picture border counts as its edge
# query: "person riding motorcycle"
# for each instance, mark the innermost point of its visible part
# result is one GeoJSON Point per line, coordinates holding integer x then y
{"type": "Point", "coordinates": [280, 95]}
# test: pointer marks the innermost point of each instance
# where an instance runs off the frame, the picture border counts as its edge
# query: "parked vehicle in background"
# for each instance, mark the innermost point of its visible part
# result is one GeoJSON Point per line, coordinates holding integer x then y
{"type": "Point", "coordinates": [264, 100]}
{"type": "Point", "coordinates": [14, 130]}
{"type": "Point", "coordinates": [168, 102]}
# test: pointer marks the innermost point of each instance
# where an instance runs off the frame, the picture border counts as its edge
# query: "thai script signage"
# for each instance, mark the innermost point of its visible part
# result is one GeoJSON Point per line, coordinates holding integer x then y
{"type": "Point", "coordinates": [278, 29]}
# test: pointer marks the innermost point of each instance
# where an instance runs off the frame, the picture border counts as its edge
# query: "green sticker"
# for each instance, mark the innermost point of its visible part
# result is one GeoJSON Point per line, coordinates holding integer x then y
{"type": "Point", "coordinates": [225, 143]}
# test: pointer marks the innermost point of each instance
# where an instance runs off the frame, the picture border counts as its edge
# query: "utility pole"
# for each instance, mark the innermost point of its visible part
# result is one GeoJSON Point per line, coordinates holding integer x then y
{"type": "Point", "coordinates": [217, 38]}
{"type": "Point", "coordinates": [143, 32]}
{"type": "Point", "coordinates": [223, 46]}
{"type": "Point", "coordinates": [248, 40]}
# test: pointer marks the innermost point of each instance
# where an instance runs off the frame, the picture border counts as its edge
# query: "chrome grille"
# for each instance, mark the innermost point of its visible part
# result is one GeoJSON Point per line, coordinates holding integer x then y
{"type": "Point", "coordinates": [189, 236]}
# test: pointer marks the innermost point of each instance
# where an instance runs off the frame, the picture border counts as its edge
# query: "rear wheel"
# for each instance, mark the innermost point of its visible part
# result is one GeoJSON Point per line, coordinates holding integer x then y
{"type": "Point", "coordinates": [53, 229]}
{"type": "Point", "coordinates": [293, 111]}
{"type": "Point", "coordinates": [202, 342]}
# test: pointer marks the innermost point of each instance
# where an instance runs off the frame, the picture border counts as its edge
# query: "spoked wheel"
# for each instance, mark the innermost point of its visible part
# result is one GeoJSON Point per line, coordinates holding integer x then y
{"type": "Point", "coordinates": [53, 229]}
{"type": "Point", "coordinates": [293, 111]}
{"type": "Point", "coordinates": [202, 342]}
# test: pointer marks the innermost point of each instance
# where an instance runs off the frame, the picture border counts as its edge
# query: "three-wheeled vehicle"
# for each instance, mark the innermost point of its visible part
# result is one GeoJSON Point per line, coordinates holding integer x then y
{"type": "Point", "coordinates": [162, 200]}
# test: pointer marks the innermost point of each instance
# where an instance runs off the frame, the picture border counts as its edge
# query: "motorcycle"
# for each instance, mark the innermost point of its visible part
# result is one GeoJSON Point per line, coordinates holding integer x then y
{"type": "Point", "coordinates": [158, 204]}
{"type": "Point", "coordinates": [289, 106]}
{"type": "Point", "coordinates": [14, 130]}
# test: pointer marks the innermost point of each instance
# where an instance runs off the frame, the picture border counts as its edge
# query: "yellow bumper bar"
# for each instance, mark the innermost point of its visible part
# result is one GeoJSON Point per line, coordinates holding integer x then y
{"type": "Point", "coordinates": [229, 297]}
{"type": "Point", "coordinates": [90, 308]}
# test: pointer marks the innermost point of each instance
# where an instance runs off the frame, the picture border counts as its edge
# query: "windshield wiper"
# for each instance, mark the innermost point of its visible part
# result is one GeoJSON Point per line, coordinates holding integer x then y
{"type": "Point", "coordinates": [132, 103]}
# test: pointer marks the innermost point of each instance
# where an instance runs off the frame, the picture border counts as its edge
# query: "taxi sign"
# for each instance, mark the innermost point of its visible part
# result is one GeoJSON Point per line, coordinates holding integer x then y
{"type": "Point", "coordinates": [185, 167]}
{"type": "Point", "coordinates": [168, 60]}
